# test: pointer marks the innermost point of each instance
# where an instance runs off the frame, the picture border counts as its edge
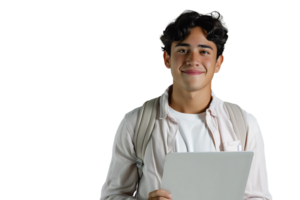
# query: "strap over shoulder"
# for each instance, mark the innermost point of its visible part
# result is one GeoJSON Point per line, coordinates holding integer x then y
{"type": "Point", "coordinates": [146, 120]}
{"type": "Point", "coordinates": [238, 121]}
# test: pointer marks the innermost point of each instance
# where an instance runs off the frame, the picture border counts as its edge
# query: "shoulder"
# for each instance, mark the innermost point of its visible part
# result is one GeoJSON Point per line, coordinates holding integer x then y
{"type": "Point", "coordinates": [249, 117]}
{"type": "Point", "coordinates": [131, 118]}
{"type": "Point", "coordinates": [254, 129]}
{"type": "Point", "coordinates": [255, 137]}
{"type": "Point", "coordinates": [125, 131]}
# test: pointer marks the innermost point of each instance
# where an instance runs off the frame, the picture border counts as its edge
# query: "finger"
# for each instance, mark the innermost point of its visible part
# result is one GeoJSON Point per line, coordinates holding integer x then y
{"type": "Point", "coordinates": [165, 194]}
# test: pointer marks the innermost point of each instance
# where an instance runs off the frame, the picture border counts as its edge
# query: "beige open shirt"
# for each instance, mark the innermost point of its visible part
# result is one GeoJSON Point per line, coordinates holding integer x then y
{"type": "Point", "coordinates": [122, 176]}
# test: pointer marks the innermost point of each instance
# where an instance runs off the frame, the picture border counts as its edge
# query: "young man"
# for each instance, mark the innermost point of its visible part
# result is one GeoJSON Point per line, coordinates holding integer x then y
{"type": "Point", "coordinates": [190, 117]}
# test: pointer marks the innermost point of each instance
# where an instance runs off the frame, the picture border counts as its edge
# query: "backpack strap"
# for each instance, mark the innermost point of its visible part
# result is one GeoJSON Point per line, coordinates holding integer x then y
{"type": "Point", "coordinates": [145, 125]}
{"type": "Point", "coordinates": [239, 122]}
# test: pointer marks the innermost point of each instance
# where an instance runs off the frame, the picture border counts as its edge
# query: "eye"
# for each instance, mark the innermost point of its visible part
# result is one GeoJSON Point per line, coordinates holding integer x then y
{"type": "Point", "coordinates": [205, 52]}
{"type": "Point", "coordinates": [181, 49]}
{"type": "Point", "coordinates": [185, 50]}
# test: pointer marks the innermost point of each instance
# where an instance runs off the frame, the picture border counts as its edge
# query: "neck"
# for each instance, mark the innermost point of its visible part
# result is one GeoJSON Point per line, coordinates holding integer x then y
{"type": "Point", "coordinates": [191, 102]}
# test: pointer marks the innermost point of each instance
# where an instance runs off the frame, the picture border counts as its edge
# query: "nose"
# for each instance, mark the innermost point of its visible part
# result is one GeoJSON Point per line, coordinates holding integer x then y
{"type": "Point", "coordinates": [193, 59]}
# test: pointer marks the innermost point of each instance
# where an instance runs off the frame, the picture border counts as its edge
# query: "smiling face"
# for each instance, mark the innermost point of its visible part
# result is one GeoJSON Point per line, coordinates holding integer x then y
{"type": "Point", "coordinates": [194, 53]}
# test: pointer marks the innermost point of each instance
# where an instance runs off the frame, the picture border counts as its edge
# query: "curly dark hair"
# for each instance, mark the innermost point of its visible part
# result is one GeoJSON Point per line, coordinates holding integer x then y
{"type": "Point", "coordinates": [180, 29]}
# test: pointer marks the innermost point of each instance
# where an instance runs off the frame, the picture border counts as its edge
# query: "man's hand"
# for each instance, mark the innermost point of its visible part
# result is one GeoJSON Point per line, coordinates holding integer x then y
{"type": "Point", "coordinates": [159, 195]}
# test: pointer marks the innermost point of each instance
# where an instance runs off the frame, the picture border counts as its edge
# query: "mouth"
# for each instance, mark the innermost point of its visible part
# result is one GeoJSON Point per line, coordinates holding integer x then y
{"type": "Point", "coordinates": [193, 73]}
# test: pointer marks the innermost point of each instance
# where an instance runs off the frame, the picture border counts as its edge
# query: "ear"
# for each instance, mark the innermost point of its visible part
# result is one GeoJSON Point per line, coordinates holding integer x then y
{"type": "Point", "coordinates": [167, 60]}
{"type": "Point", "coordinates": [219, 63]}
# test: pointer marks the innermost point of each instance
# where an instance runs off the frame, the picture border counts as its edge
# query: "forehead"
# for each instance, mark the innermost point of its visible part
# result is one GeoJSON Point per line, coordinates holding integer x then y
{"type": "Point", "coordinates": [196, 37]}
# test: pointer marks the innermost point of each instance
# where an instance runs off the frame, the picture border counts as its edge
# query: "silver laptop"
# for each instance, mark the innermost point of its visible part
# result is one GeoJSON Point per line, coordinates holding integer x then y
{"type": "Point", "coordinates": [207, 175]}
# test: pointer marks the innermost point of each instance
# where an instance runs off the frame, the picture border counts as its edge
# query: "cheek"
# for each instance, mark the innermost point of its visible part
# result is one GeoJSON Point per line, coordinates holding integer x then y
{"type": "Point", "coordinates": [207, 60]}
{"type": "Point", "coordinates": [181, 59]}
{"type": "Point", "coordinates": [209, 64]}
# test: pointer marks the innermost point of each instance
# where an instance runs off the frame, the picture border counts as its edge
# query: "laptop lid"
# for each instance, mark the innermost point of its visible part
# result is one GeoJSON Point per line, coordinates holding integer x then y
{"type": "Point", "coordinates": [207, 175]}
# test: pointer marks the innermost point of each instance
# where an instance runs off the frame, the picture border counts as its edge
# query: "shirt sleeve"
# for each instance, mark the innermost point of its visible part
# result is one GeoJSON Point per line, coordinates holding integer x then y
{"type": "Point", "coordinates": [257, 185]}
{"type": "Point", "coordinates": [122, 175]}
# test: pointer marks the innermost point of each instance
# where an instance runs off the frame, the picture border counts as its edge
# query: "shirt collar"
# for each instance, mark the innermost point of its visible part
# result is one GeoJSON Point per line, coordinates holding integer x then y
{"type": "Point", "coordinates": [164, 102]}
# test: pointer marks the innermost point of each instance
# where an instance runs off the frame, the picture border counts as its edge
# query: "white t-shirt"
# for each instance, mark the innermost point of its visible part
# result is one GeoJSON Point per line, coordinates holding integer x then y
{"type": "Point", "coordinates": [192, 134]}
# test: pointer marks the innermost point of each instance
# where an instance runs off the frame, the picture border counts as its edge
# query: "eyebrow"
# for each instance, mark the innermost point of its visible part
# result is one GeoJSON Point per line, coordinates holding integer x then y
{"type": "Point", "coordinates": [200, 45]}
